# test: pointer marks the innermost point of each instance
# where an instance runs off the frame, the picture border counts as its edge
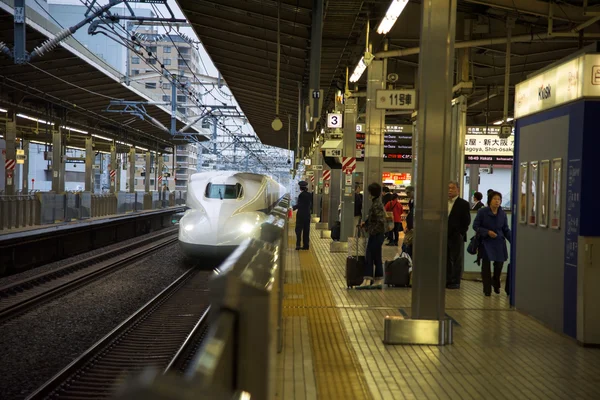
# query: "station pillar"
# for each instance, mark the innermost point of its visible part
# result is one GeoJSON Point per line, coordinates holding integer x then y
{"type": "Point", "coordinates": [25, 176]}
{"type": "Point", "coordinates": [113, 167]}
{"type": "Point", "coordinates": [161, 166]}
{"type": "Point", "coordinates": [375, 126]}
{"type": "Point", "coordinates": [132, 169]}
{"type": "Point", "coordinates": [58, 163]}
{"type": "Point", "coordinates": [89, 161]}
{"type": "Point", "coordinates": [11, 154]}
{"type": "Point", "coordinates": [436, 68]}
{"type": "Point", "coordinates": [349, 143]}
{"type": "Point", "coordinates": [148, 172]}
{"type": "Point", "coordinates": [324, 188]}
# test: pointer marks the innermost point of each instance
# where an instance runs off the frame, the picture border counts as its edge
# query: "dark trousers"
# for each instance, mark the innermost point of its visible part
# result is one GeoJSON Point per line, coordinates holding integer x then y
{"type": "Point", "coordinates": [374, 256]}
{"type": "Point", "coordinates": [455, 259]}
{"type": "Point", "coordinates": [486, 275]}
{"type": "Point", "coordinates": [303, 231]}
{"type": "Point", "coordinates": [395, 234]}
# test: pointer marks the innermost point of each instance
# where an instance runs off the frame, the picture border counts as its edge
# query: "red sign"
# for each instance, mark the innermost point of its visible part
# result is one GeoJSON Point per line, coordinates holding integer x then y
{"type": "Point", "coordinates": [326, 175]}
{"type": "Point", "coordinates": [159, 179]}
{"type": "Point", "coordinates": [10, 164]}
{"type": "Point", "coordinates": [113, 173]}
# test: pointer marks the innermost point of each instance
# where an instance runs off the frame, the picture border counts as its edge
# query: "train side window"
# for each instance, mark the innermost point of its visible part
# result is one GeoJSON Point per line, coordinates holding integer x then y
{"type": "Point", "coordinates": [239, 190]}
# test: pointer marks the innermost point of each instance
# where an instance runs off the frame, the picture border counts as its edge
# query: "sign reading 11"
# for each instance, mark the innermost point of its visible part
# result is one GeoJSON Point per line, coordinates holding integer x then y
{"type": "Point", "coordinates": [396, 99]}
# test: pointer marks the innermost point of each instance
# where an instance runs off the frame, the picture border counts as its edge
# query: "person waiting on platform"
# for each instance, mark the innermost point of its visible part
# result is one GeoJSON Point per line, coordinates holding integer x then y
{"type": "Point", "coordinates": [375, 226]}
{"type": "Point", "coordinates": [395, 207]}
{"type": "Point", "coordinates": [477, 203]}
{"type": "Point", "coordinates": [358, 202]}
{"type": "Point", "coordinates": [491, 225]}
{"type": "Point", "coordinates": [303, 205]}
{"type": "Point", "coordinates": [459, 219]}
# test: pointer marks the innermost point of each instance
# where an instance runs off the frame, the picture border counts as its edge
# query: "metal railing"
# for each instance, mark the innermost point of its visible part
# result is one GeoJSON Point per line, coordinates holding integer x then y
{"type": "Point", "coordinates": [42, 208]}
{"type": "Point", "coordinates": [237, 359]}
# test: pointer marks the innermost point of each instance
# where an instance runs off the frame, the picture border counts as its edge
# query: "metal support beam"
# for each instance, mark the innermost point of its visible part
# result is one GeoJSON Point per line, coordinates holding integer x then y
{"type": "Point", "coordinates": [316, 40]}
{"type": "Point", "coordinates": [349, 143]}
{"type": "Point", "coordinates": [375, 126]}
{"type": "Point", "coordinates": [428, 323]}
{"type": "Point", "coordinates": [89, 161]}
{"type": "Point", "coordinates": [58, 165]}
{"type": "Point", "coordinates": [474, 181]}
{"type": "Point", "coordinates": [160, 168]}
{"type": "Point", "coordinates": [132, 170]}
{"type": "Point", "coordinates": [25, 176]}
{"type": "Point", "coordinates": [11, 154]}
{"type": "Point", "coordinates": [148, 172]}
{"type": "Point", "coordinates": [20, 26]}
{"type": "Point", "coordinates": [113, 167]}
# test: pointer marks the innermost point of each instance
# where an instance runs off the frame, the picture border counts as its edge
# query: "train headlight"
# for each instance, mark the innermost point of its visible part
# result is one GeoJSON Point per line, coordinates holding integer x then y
{"type": "Point", "coordinates": [247, 228]}
{"type": "Point", "coordinates": [188, 227]}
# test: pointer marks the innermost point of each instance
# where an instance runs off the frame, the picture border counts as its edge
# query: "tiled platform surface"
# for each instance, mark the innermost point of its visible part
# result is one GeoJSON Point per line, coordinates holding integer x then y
{"type": "Point", "coordinates": [333, 347]}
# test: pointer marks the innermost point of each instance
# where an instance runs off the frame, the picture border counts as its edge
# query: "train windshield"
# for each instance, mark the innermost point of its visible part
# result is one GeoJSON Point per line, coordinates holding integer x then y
{"type": "Point", "coordinates": [223, 192]}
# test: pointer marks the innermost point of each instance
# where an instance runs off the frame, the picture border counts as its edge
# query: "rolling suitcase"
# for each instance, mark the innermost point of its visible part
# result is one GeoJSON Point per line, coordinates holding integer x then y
{"type": "Point", "coordinates": [355, 263]}
{"type": "Point", "coordinates": [397, 272]}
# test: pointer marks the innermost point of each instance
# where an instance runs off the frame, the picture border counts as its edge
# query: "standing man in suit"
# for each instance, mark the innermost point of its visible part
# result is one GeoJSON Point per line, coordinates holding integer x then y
{"type": "Point", "coordinates": [477, 203]}
{"type": "Point", "coordinates": [303, 205]}
{"type": "Point", "coordinates": [459, 219]}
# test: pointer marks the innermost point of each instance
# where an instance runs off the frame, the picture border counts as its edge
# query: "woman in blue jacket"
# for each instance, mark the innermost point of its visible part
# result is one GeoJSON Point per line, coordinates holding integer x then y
{"type": "Point", "coordinates": [491, 224]}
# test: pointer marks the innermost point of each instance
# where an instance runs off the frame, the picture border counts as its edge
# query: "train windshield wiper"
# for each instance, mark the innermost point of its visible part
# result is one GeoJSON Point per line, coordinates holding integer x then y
{"type": "Point", "coordinates": [220, 194]}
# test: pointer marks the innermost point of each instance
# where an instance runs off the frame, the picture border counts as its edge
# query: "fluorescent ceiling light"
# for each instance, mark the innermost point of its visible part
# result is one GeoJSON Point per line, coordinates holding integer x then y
{"type": "Point", "coordinates": [123, 143]}
{"type": "Point", "coordinates": [35, 119]}
{"type": "Point", "coordinates": [74, 129]}
{"type": "Point", "coordinates": [358, 71]}
{"type": "Point", "coordinates": [3, 110]}
{"type": "Point", "coordinates": [36, 142]}
{"type": "Point", "coordinates": [391, 16]}
{"type": "Point", "coordinates": [500, 122]}
{"type": "Point", "coordinates": [101, 137]}
{"type": "Point", "coordinates": [75, 148]}
{"type": "Point", "coordinates": [141, 148]}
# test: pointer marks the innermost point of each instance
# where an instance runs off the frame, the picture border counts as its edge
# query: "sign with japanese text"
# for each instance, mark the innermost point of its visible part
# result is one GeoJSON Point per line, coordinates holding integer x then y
{"type": "Point", "coordinates": [397, 99]}
{"type": "Point", "coordinates": [488, 145]}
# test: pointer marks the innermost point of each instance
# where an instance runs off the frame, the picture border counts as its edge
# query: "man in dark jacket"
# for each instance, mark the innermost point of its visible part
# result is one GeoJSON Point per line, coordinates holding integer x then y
{"type": "Point", "coordinates": [303, 205]}
{"type": "Point", "coordinates": [387, 195]}
{"type": "Point", "coordinates": [459, 219]}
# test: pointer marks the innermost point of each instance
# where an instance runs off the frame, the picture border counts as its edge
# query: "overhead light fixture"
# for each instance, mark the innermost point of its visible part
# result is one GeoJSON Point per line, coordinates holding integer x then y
{"type": "Point", "coordinates": [123, 143]}
{"type": "Point", "coordinates": [37, 142]}
{"type": "Point", "coordinates": [391, 16]}
{"type": "Point", "coordinates": [75, 148]}
{"type": "Point", "coordinates": [141, 148]}
{"type": "Point", "coordinates": [41, 121]}
{"type": "Point", "coordinates": [500, 122]}
{"type": "Point", "coordinates": [3, 110]}
{"type": "Point", "coordinates": [74, 129]}
{"type": "Point", "coordinates": [358, 71]}
{"type": "Point", "coordinates": [101, 137]}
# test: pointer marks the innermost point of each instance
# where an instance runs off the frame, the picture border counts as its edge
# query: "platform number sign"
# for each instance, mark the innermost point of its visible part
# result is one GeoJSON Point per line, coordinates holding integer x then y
{"type": "Point", "coordinates": [334, 120]}
{"type": "Point", "coordinates": [401, 99]}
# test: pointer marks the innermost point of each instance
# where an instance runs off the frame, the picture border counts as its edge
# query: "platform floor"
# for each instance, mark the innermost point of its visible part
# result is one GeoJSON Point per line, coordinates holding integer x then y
{"type": "Point", "coordinates": [333, 343]}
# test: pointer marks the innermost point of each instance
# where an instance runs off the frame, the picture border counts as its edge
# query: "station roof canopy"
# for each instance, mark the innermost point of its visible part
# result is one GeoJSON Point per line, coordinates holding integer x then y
{"type": "Point", "coordinates": [241, 38]}
{"type": "Point", "coordinates": [72, 85]}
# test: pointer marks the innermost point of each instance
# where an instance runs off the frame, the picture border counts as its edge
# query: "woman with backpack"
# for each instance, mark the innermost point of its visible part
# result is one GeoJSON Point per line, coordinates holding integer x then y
{"type": "Point", "coordinates": [395, 207]}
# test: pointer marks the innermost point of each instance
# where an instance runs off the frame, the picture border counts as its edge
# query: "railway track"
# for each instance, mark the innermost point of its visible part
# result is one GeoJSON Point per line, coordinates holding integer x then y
{"type": "Point", "coordinates": [163, 334]}
{"type": "Point", "coordinates": [21, 296]}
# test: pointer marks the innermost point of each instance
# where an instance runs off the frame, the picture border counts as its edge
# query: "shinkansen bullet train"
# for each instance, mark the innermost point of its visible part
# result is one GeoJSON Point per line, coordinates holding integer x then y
{"type": "Point", "coordinates": [225, 207]}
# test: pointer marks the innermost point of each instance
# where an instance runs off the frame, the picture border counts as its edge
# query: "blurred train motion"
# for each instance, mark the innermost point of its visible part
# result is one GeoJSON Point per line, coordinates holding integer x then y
{"type": "Point", "coordinates": [225, 207]}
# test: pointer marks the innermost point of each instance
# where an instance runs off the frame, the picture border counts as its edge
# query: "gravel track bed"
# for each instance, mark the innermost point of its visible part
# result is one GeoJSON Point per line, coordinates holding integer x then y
{"type": "Point", "coordinates": [61, 263]}
{"type": "Point", "coordinates": [37, 345]}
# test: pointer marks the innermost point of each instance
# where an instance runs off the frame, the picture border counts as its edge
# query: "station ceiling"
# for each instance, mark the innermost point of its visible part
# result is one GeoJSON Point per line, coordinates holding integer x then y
{"type": "Point", "coordinates": [61, 85]}
{"type": "Point", "coordinates": [241, 38]}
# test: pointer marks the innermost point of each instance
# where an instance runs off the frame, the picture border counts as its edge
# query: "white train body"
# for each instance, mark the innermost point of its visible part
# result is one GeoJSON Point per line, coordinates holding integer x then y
{"type": "Point", "coordinates": [225, 207]}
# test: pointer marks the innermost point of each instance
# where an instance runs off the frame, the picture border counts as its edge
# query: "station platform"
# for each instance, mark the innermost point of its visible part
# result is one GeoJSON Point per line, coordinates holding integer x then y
{"type": "Point", "coordinates": [333, 345]}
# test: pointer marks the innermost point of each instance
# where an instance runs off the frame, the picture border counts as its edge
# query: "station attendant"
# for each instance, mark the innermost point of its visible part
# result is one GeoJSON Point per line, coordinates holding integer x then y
{"type": "Point", "coordinates": [303, 205]}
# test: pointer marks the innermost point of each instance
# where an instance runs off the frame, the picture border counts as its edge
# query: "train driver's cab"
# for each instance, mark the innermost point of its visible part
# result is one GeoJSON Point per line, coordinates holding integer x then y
{"type": "Point", "coordinates": [224, 191]}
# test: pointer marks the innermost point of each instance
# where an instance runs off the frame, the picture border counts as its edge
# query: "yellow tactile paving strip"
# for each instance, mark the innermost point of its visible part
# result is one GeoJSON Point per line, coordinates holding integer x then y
{"type": "Point", "coordinates": [336, 368]}
{"type": "Point", "coordinates": [318, 359]}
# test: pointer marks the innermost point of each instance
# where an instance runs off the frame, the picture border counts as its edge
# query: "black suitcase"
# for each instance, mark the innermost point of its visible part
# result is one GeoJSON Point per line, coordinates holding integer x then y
{"type": "Point", "coordinates": [355, 263]}
{"type": "Point", "coordinates": [397, 272]}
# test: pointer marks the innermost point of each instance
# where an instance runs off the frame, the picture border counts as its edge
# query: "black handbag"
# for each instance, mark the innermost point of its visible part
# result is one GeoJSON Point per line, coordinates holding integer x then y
{"type": "Point", "coordinates": [473, 246]}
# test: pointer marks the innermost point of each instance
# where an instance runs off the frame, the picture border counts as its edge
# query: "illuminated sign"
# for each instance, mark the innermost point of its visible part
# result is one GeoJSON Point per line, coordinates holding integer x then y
{"type": "Point", "coordinates": [488, 145]}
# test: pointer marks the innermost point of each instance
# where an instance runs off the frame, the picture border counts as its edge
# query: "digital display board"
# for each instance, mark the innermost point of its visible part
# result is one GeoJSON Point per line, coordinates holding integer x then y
{"type": "Point", "coordinates": [397, 144]}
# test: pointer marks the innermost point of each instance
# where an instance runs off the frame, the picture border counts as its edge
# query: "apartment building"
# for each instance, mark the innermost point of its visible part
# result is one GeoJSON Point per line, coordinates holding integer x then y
{"type": "Point", "coordinates": [180, 57]}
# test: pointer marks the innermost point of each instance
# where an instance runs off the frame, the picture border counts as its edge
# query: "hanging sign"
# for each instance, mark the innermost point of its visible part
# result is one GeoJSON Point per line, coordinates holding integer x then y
{"type": "Point", "coordinates": [310, 173]}
{"type": "Point", "coordinates": [334, 120]}
{"type": "Point", "coordinates": [397, 99]}
{"type": "Point", "coordinates": [333, 152]}
{"type": "Point", "coordinates": [317, 167]}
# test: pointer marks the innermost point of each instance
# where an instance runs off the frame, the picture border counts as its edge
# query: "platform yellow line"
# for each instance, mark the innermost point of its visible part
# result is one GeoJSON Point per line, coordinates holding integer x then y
{"type": "Point", "coordinates": [337, 370]}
